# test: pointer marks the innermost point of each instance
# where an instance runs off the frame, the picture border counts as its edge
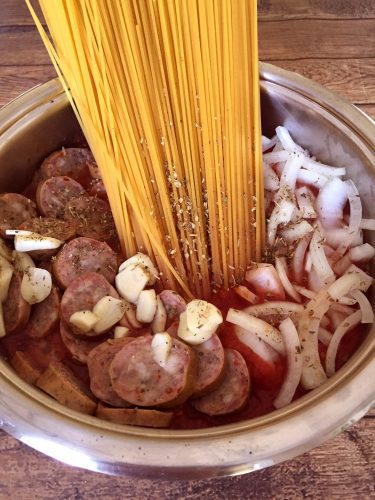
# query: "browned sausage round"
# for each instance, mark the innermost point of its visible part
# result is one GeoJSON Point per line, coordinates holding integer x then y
{"type": "Point", "coordinates": [77, 347]}
{"type": "Point", "coordinates": [82, 294]}
{"type": "Point", "coordinates": [76, 163]}
{"type": "Point", "coordinates": [44, 316]}
{"type": "Point", "coordinates": [53, 194]}
{"type": "Point", "coordinates": [51, 227]}
{"type": "Point", "coordinates": [81, 256]}
{"type": "Point", "coordinates": [135, 416]}
{"type": "Point", "coordinates": [232, 393]}
{"type": "Point", "coordinates": [211, 365]}
{"type": "Point", "coordinates": [174, 304]}
{"type": "Point", "coordinates": [98, 362]}
{"type": "Point", "coordinates": [92, 218]}
{"type": "Point", "coordinates": [14, 209]}
{"type": "Point", "coordinates": [15, 309]}
{"type": "Point", "coordinates": [139, 379]}
{"type": "Point", "coordinates": [96, 188]}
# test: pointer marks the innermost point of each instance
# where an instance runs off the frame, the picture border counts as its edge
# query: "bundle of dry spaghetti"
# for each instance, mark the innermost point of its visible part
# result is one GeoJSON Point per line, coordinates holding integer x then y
{"type": "Point", "coordinates": [167, 94]}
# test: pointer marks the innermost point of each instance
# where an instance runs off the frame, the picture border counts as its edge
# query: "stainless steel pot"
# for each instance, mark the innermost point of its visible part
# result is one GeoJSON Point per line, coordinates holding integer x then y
{"type": "Point", "coordinates": [41, 121]}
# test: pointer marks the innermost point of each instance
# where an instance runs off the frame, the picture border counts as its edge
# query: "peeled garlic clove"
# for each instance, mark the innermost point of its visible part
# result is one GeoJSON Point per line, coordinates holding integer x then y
{"type": "Point", "coordinates": [160, 319]}
{"type": "Point", "coordinates": [109, 310]}
{"type": "Point", "coordinates": [5, 263]}
{"type": "Point", "coordinates": [146, 306]}
{"type": "Point", "coordinates": [34, 241]}
{"type": "Point", "coordinates": [161, 347]}
{"type": "Point", "coordinates": [6, 274]}
{"type": "Point", "coordinates": [15, 232]}
{"type": "Point", "coordinates": [202, 317]}
{"type": "Point", "coordinates": [145, 261]}
{"type": "Point", "coordinates": [120, 332]}
{"type": "Point", "coordinates": [84, 320]}
{"type": "Point", "coordinates": [187, 335]}
{"type": "Point", "coordinates": [36, 285]}
{"type": "Point", "coordinates": [131, 281]}
{"type": "Point", "coordinates": [130, 315]}
{"type": "Point", "coordinates": [22, 261]}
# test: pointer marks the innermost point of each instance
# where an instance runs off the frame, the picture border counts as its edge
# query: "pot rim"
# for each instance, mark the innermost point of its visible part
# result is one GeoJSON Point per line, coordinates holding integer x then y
{"type": "Point", "coordinates": [244, 446]}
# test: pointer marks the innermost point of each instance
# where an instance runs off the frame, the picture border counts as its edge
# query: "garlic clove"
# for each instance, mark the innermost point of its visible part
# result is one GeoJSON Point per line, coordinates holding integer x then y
{"type": "Point", "coordinates": [109, 310]}
{"type": "Point", "coordinates": [161, 346]}
{"type": "Point", "coordinates": [22, 261]}
{"type": "Point", "coordinates": [84, 320]}
{"type": "Point", "coordinates": [35, 241]}
{"type": "Point", "coordinates": [160, 319]}
{"type": "Point", "coordinates": [145, 261]}
{"type": "Point", "coordinates": [36, 285]}
{"type": "Point", "coordinates": [131, 281]}
{"type": "Point", "coordinates": [120, 332]}
{"type": "Point", "coordinates": [146, 306]}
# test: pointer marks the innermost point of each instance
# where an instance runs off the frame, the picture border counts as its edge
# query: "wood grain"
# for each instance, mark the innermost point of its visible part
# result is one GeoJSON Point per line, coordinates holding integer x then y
{"type": "Point", "coordinates": [316, 473]}
{"type": "Point", "coordinates": [271, 10]}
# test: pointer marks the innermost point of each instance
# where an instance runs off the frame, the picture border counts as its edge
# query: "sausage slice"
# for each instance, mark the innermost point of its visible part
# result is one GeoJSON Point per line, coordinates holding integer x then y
{"type": "Point", "coordinates": [77, 347]}
{"type": "Point", "coordinates": [81, 256]}
{"type": "Point", "coordinates": [73, 162]}
{"type": "Point", "coordinates": [25, 368]}
{"type": "Point", "coordinates": [51, 227]}
{"type": "Point", "coordinates": [98, 362]}
{"type": "Point", "coordinates": [92, 218]}
{"type": "Point", "coordinates": [211, 365]}
{"type": "Point", "coordinates": [174, 304]}
{"type": "Point", "coordinates": [139, 379]}
{"type": "Point", "coordinates": [44, 316]}
{"type": "Point", "coordinates": [60, 383]}
{"type": "Point", "coordinates": [14, 209]}
{"type": "Point", "coordinates": [16, 310]}
{"type": "Point", "coordinates": [135, 416]}
{"type": "Point", "coordinates": [53, 194]}
{"type": "Point", "coordinates": [82, 294]}
{"type": "Point", "coordinates": [232, 393]}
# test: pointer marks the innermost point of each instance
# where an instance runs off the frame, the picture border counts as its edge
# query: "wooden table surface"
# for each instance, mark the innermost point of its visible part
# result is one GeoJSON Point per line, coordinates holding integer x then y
{"type": "Point", "coordinates": [331, 42]}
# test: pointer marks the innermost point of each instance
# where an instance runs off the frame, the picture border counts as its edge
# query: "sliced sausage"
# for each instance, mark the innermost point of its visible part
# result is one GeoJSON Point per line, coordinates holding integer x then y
{"type": "Point", "coordinates": [77, 347]}
{"type": "Point", "coordinates": [25, 368]}
{"type": "Point", "coordinates": [60, 383]}
{"type": "Point", "coordinates": [82, 294]}
{"type": "Point", "coordinates": [135, 416]}
{"type": "Point", "coordinates": [53, 194]}
{"type": "Point", "coordinates": [44, 317]}
{"type": "Point", "coordinates": [14, 209]}
{"type": "Point", "coordinates": [16, 310]}
{"type": "Point", "coordinates": [92, 218]}
{"type": "Point", "coordinates": [139, 379]}
{"type": "Point", "coordinates": [51, 227]}
{"type": "Point", "coordinates": [96, 188]}
{"type": "Point", "coordinates": [211, 365]}
{"type": "Point", "coordinates": [174, 304]}
{"type": "Point", "coordinates": [81, 256]}
{"type": "Point", "coordinates": [98, 362]}
{"type": "Point", "coordinates": [76, 163]}
{"type": "Point", "coordinates": [232, 393]}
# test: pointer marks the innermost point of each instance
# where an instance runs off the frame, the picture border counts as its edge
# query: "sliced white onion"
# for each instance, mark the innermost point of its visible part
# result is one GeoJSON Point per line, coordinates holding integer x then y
{"type": "Point", "coordinates": [120, 332]}
{"type": "Point", "coordinates": [256, 344]}
{"type": "Point", "coordinates": [353, 279]}
{"type": "Point", "coordinates": [367, 224]}
{"type": "Point", "coordinates": [293, 232]}
{"type": "Point", "coordinates": [265, 281]}
{"type": "Point", "coordinates": [35, 241]}
{"type": "Point", "coordinates": [289, 174]}
{"type": "Point", "coordinates": [22, 261]}
{"type": "Point", "coordinates": [319, 258]}
{"type": "Point", "coordinates": [276, 157]}
{"type": "Point", "coordinates": [365, 306]}
{"type": "Point", "coordinates": [309, 178]}
{"type": "Point", "coordinates": [131, 281]}
{"type": "Point", "coordinates": [246, 294]}
{"type": "Point", "coordinates": [331, 201]}
{"type": "Point", "coordinates": [309, 294]}
{"type": "Point", "coordinates": [294, 363]}
{"type": "Point", "coordinates": [308, 263]}
{"type": "Point", "coordinates": [109, 311]}
{"type": "Point", "coordinates": [268, 143]}
{"type": "Point", "coordinates": [281, 268]}
{"type": "Point", "coordinates": [146, 306]}
{"type": "Point", "coordinates": [260, 328]}
{"type": "Point", "coordinates": [275, 307]}
{"type": "Point", "coordinates": [271, 180]}
{"type": "Point", "coordinates": [286, 140]}
{"type": "Point", "coordinates": [161, 346]}
{"type": "Point", "coordinates": [324, 336]}
{"type": "Point", "coordinates": [160, 319]}
{"type": "Point", "coordinates": [305, 201]}
{"type": "Point", "coordinates": [314, 283]}
{"type": "Point", "coordinates": [299, 257]}
{"type": "Point", "coordinates": [36, 285]}
{"type": "Point", "coordinates": [147, 264]}
{"type": "Point", "coordinates": [355, 217]}
{"type": "Point", "coordinates": [362, 253]}
{"type": "Point", "coordinates": [281, 214]}
{"type": "Point", "coordinates": [320, 168]}
{"type": "Point", "coordinates": [84, 320]}
{"type": "Point", "coordinates": [342, 265]}
{"type": "Point", "coordinates": [336, 317]}
{"type": "Point", "coordinates": [348, 323]}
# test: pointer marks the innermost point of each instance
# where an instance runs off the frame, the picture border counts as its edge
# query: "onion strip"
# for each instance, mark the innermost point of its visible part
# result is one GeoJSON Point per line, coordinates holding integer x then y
{"type": "Point", "coordinates": [365, 306]}
{"type": "Point", "coordinates": [261, 348]}
{"type": "Point", "coordinates": [281, 268]}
